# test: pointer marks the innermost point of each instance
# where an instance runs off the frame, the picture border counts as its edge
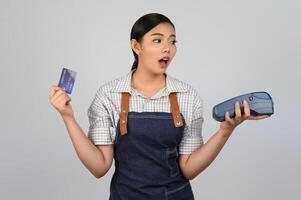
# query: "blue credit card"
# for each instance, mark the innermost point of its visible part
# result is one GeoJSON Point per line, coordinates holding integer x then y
{"type": "Point", "coordinates": [67, 79]}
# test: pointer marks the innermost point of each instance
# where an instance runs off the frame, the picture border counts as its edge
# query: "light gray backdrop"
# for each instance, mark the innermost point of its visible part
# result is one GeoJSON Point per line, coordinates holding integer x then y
{"type": "Point", "coordinates": [225, 48]}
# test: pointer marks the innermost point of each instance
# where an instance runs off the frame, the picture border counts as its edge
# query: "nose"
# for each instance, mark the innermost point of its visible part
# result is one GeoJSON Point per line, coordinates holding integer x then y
{"type": "Point", "coordinates": [166, 48]}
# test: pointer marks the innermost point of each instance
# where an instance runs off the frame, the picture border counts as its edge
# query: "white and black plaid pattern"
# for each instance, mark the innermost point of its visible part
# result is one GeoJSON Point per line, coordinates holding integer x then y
{"type": "Point", "coordinates": [104, 110]}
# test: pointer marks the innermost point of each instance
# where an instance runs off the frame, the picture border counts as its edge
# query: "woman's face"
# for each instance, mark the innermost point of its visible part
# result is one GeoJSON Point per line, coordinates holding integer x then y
{"type": "Point", "coordinates": [156, 49]}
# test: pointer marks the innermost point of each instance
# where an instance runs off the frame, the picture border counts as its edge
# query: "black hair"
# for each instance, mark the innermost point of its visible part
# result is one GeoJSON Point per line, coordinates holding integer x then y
{"type": "Point", "coordinates": [145, 24]}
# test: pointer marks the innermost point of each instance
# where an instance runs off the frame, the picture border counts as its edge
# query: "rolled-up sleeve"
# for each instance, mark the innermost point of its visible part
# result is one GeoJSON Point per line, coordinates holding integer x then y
{"type": "Point", "coordinates": [192, 137]}
{"type": "Point", "coordinates": [101, 128]}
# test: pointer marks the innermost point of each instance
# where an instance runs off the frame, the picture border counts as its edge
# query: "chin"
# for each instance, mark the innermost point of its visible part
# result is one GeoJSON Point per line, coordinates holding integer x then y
{"type": "Point", "coordinates": [160, 70]}
{"type": "Point", "coordinates": [157, 70]}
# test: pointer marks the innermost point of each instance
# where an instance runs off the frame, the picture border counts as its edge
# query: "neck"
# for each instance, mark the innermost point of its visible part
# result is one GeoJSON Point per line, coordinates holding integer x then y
{"type": "Point", "coordinates": [142, 79]}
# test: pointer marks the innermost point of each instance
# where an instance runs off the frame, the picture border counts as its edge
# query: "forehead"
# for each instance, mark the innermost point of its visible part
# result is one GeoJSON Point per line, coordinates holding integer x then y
{"type": "Point", "coordinates": [165, 29]}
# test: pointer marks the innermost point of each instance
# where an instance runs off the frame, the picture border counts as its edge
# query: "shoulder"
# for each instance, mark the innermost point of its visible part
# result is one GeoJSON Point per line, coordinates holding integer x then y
{"type": "Point", "coordinates": [185, 88]}
{"type": "Point", "coordinates": [190, 101]}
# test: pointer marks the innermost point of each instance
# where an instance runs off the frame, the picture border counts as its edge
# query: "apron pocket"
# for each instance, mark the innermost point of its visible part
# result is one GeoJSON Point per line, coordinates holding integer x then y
{"type": "Point", "coordinates": [172, 161]}
{"type": "Point", "coordinates": [183, 192]}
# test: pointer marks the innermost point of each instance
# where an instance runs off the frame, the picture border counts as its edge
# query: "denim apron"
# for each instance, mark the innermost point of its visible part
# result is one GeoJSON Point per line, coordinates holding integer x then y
{"type": "Point", "coordinates": [146, 155]}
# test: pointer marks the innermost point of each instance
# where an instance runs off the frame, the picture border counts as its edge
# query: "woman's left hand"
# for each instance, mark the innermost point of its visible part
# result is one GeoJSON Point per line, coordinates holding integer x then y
{"type": "Point", "coordinates": [230, 124]}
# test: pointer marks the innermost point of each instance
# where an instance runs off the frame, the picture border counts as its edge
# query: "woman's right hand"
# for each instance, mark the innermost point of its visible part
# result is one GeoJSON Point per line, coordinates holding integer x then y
{"type": "Point", "coordinates": [60, 100]}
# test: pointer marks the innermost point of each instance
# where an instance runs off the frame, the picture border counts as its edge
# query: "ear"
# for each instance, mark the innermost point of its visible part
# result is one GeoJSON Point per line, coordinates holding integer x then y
{"type": "Point", "coordinates": [135, 45]}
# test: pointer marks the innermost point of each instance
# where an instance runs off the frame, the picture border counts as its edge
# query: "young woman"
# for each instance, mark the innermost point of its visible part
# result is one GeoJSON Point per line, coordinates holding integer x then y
{"type": "Point", "coordinates": [148, 121]}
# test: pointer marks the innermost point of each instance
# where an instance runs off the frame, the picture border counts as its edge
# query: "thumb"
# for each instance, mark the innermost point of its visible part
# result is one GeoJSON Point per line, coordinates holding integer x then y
{"type": "Point", "coordinates": [68, 101]}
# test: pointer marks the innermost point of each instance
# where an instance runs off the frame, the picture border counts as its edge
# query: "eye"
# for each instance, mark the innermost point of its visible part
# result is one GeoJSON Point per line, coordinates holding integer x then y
{"type": "Point", "coordinates": [174, 42]}
{"type": "Point", "coordinates": [157, 40]}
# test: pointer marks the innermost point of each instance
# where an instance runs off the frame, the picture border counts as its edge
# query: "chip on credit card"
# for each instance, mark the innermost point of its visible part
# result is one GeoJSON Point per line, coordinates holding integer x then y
{"type": "Point", "coordinates": [67, 80]}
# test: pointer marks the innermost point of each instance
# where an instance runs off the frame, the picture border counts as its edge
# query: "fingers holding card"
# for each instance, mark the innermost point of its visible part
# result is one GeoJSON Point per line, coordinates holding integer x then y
{"type": "Point", "coordinates": [67, 80]}
{"type": "Point", "coordinates": [58, 95]}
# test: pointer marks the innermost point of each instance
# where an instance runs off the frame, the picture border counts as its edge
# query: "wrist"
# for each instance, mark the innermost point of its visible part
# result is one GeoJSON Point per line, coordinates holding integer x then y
{"type": "Point", "coordinates": [225, 132]}
{"type": "Point", "coordinates": [68, 118]}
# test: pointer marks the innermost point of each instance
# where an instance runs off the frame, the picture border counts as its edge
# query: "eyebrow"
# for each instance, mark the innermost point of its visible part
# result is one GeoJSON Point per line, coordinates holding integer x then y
{"type": "Point", "coordinates": [160, 34]}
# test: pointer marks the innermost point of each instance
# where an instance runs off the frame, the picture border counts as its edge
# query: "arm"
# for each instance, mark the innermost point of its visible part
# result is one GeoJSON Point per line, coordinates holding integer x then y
{"type": "Point", "coordinates": [97, 160]}
{"type": "Point", "coordinates": [193, 164]}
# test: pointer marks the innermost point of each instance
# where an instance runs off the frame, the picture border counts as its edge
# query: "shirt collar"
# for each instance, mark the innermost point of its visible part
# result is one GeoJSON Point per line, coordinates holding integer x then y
{"type": "Point", "coordinates": [172, 85]}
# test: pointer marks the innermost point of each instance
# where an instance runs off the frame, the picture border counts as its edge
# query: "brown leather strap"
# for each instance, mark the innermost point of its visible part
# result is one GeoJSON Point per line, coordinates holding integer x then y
{"type": "Point", "coordinates": [124, 112]}
{"type": "Point", "coordinates": [176, 115]}
{"type": "Point", "coordinates": [125, 96]}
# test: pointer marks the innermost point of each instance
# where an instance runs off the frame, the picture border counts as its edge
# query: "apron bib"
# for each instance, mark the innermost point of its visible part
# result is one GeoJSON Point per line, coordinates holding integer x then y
{"type": "Point", "coordinates": [146, 155]}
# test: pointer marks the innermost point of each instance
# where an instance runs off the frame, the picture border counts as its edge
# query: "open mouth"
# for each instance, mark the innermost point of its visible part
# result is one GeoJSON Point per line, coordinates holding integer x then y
{"type": "Point", "coordinates": [163, 61]}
